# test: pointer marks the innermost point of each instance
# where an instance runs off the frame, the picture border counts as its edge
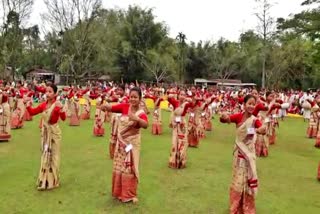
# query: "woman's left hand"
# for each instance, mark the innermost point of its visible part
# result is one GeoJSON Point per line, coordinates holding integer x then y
{"type": "Point", "coordinates": [29, 103]}
{"type": "Point", "coordinates": [26, 99]}
{"type": "Point", "coordinates": [103, 108]}
{"type": "Point", "coordinates": [262, 130]}
{"type": "Point", "coordinates": [59, 104]}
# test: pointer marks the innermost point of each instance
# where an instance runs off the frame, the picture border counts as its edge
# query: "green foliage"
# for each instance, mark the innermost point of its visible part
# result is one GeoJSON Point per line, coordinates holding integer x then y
{"type": "Point", "coordinates": [288, 63]}
{"type": "Point", "coordinates": [131, 45]}
{"type": "Point", "coordinates": [251, 45]}
{"type": "Point", "coordinates": [159, 63]}
{"type": "Point", "coordinates": [139, 33]}
{"type": "Point", "coordinates": [13, 38]}
{"type": "Point", "coordinates": [198, 61]}
{"type": "Point", "coordinates": [105, 35]}
{"type": "Point", "coordinates": [15, 14]}
{"type": "Point", "coordinates": [306, 24]}
{"type": "Point", "coordinates": [225, 60]}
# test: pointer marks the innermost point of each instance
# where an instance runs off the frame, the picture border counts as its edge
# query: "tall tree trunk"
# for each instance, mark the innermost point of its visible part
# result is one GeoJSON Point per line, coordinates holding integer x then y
{"type": "Point", "coordinates": [13, 70]}
{"type": "Point", "coordinates": [68, 76]}
{"type": "Point", "coordinates": [263, 82]}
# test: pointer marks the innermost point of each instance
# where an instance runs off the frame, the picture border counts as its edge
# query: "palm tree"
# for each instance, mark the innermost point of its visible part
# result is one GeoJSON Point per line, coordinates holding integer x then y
{"type": "Point", "coordinates": [181, 39]}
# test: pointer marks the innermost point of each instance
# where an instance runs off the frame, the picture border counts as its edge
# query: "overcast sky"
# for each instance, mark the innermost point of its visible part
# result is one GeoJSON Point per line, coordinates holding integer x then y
{"type": "Point", "coordinates": [199, 19]}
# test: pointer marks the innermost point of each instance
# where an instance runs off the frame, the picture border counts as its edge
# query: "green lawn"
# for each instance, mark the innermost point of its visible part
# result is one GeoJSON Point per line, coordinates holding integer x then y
{"type": "Point", "coordinates": [287, 177]}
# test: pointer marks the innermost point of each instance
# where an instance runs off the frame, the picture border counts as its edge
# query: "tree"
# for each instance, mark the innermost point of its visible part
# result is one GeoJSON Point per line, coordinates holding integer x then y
{"type": "Point", "coordinates": [12, 43]}
{"type": "Point", "coordinates": [73, 20]}
{"type": "Point", "coordinates": [181, 41]}
{"type": "Point", "coordinates": [306, 24]}
{"type": "Point", "coordinates": [251, 45]}
{"type": "Point", "coordinates": [156, 65]}
{"type": "Point", "coordinates": [225, 62]}
{"type": "Point", "coordinates": [32, 44]}
{"type": "Point", "coordinates": [139, 33]}
{"type": "Point", "coordinates": [107, 38]}
{"type": "Point", "coordinates": [265, 29]}
{"type": "Point", "coordinates": [198, 60]}
{"type": "Point", "coordinates": [34, 54]}
{"type": "Point", "coordinates": [21, 7]}
{"type": "Point", "coordinates": [52, 51]}
{"type": "Point", "coordinates": [15, 14]}
{"type": "Point", "coordinates": [289, 62]}
{"type": "Point", "coordinates": [160, 62]}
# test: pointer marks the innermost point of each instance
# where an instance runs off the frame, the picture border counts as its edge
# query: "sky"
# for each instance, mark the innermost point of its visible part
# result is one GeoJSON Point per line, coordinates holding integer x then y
{"type": "Point", "coordinates": [199, 19]}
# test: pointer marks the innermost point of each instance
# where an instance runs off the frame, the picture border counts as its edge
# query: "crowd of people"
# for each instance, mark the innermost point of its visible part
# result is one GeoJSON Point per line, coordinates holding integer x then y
{"type": "Point", "coordinates": [256, 115]}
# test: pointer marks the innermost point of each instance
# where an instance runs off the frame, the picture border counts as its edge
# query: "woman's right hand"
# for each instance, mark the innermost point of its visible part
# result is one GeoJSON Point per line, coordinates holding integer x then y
{"type": "Point", "coordinates": [133, 117]}
{"type": "Point", "coordinates": [102, 107]}
{"type": "Point", "coordinates": [26, 99]}
{"type": "Point", "coordinates": [59, 104]}
{"type": "Point", "coordinates": [189, 100]}
{"type": "Point", "coordinates": [224, 116]}
{"type": "Point", "coordinates": [105, 107]}
{"type": "Point", "coordinates": [262, 130]}
{"type": "Point", "coordinates": [29, 103]}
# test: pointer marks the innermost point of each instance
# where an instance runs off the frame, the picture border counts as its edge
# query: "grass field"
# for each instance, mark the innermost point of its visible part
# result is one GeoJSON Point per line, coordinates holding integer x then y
{"type": "Point", "coordinates": [287, 177]}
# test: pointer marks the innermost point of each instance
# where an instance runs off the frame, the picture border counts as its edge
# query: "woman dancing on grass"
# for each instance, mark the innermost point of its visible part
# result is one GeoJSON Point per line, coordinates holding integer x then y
{"type": "Point", "coordinates": [125, 174]}
{"type": "Point", "coordinates": [50, 138]}
{"type": "Point", "coordinates": [244, 184]}
{"type": "Point", "coordinates": [179, 146]}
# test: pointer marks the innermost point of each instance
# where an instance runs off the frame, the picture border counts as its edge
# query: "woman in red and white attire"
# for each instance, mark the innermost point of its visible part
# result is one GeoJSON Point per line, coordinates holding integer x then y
{"type": "Point", "coordinates": [125, 174]}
